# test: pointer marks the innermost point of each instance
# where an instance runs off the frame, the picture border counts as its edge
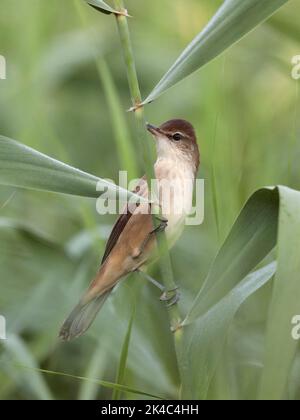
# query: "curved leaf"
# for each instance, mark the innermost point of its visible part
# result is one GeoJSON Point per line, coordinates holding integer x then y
{"type": "Point", "coordinates": [24, 167]}
{"type": "Point", "coordinates": [270, 217]}
{"type": "Point", "coordinates": [234, 19]}
{"type": "Point", "coordinates": [199, 355]}
{"type": "Point", "coordinates": [280, 346]}
{"type": "Point", "coordinates": [250, 240]}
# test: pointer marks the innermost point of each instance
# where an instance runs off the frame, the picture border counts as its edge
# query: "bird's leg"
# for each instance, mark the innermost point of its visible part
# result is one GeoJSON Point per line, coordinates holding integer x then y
{"type": "Point", "coordinates": [152, 280]}
{"type": "Point", "coordinates": [171, 297]}
{"type": "Point", "coordinates": [160, 228]}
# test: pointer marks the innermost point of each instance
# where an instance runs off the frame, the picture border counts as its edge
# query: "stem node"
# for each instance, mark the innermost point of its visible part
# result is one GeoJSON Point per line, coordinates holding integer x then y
{"type": "Point", "coordinates": [136, 107]}
{"type": "Point", "coordinates": [122, 13]}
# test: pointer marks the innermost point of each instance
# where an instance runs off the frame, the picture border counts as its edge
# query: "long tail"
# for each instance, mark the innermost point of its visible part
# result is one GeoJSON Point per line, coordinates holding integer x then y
{"type": "Point", "coordinates": [81, 318]}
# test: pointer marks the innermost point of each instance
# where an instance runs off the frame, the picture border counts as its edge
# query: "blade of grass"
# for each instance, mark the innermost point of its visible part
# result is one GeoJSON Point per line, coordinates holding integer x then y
{"type": "Point", "coordinates": [21, 166]}
{"type": "Point", "coordinates": [106, 384]}
{"type": "Point", "coordinates": [250, 240]}
{"type": "Point", "coordinates": [123, 359]}
{"type": "Point", "coordinates": [233, 21]}
{"type": "Point", "coordinates": [253, 236]}
{"type": "Point", "coordinates": [280, 347]}
{"type": "Point", "coordinates": [17, 349]}
{"type": "Point", "coordinates": [204, 340]}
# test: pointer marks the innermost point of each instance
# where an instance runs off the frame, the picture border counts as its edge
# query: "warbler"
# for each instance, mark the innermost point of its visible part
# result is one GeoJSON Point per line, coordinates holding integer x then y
{"type": "Point", "coordinates": [132, 244]}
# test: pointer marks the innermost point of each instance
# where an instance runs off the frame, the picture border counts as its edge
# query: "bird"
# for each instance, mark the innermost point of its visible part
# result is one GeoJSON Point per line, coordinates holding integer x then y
{"type": "Point", "coordinates": [132, 244]}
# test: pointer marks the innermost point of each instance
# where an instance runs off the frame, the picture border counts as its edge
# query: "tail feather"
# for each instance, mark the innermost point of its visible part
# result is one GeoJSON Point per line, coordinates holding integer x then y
{"type": "Point", "coordinates": [82, 317]}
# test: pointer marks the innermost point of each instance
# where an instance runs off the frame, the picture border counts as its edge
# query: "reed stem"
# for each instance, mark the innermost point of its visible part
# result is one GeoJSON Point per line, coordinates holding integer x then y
{"type": "Point", "coordinates": [148, 153]}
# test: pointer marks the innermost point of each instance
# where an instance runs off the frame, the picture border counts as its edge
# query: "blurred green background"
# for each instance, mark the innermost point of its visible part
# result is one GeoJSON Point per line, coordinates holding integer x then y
{"type": "Point", "coordinates": [245, 107]}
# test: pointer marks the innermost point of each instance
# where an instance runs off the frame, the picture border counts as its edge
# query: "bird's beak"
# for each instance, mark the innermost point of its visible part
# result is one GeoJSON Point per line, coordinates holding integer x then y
{"type": "Point", "coordinates": [153, 130]}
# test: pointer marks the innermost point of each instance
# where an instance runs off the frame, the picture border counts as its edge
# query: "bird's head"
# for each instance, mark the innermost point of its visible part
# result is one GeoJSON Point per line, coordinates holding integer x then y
{"type": "Point", "coordinates": [176, 139]}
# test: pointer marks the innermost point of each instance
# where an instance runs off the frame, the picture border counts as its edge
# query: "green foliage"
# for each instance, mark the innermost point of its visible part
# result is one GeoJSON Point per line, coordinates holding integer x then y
{"type": "Point", "coordinates": [105, 384]}
{"type": "Point", "coordinates": [252, 237]}
{"type": "Point", "coordinates": [24, 167]}
{"type": "Point", "coordinates": [124, 356]}
{"type": "Point", "coordinates": [34, 381]}
{"type": "Point", "coordinates": [233, 20]}
{"type": "Point", "coordinates": [281, 348]}
{"type": "Point", "coordinates": [200, 359]}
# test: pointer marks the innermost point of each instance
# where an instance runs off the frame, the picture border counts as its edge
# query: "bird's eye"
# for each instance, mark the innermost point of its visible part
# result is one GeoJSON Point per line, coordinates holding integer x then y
{"type": "Point", "coordinates": [177, 136]}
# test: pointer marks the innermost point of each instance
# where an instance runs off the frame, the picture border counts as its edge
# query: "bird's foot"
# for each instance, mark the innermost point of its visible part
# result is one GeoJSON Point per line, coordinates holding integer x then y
{"type": "Point", "coordinates": [162, 225]}
{"type": "Point", "coordinates": [170, 297]}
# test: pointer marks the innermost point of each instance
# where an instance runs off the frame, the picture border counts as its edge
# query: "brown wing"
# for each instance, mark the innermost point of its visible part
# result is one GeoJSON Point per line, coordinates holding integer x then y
{"type": "Point", "coordinates": [142, 190]}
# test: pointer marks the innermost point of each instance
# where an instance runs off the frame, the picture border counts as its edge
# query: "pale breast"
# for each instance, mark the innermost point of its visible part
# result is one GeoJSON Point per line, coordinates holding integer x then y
{"type": "Point", "coordinates": [175, 186]}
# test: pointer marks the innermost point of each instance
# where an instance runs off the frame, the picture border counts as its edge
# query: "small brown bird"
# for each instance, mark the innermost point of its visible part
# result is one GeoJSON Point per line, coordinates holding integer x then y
{"type": "Point", "coordinates": [132, 243]}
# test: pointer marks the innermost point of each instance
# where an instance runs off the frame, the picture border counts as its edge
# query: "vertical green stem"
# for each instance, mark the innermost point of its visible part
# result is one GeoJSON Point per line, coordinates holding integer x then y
{"type": "Point", "coordinates": [148, 153]}
{"type": "Point", "coordinates": [122, 135]}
